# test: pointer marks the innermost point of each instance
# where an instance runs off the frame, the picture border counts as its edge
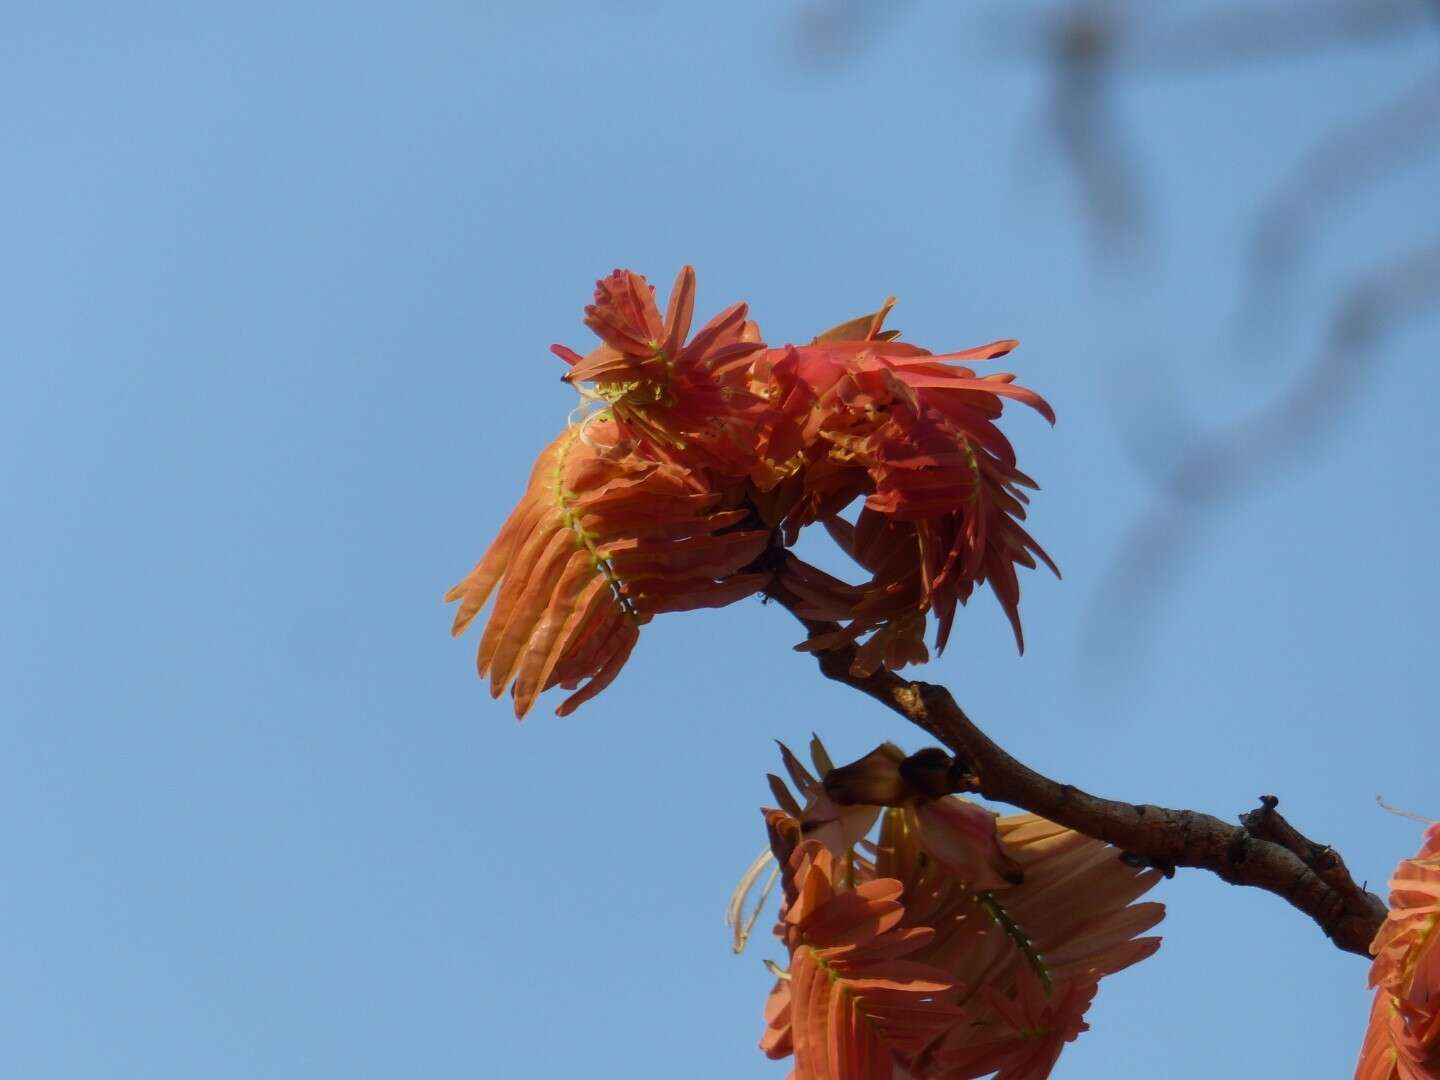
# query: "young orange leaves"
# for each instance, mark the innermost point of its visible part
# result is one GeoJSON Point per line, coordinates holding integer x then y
{"type": "Point", "coordinates": [600, 543]}
{"type": "Point", "coordinates": [1403, 1039]}
{"type": "Point", "coordinates": [1006, 926]}
{"type": "Point", "coordinates": [698, 453]}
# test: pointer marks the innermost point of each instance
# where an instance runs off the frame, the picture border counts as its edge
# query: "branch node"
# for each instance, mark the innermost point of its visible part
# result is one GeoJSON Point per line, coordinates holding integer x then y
{"type": "Point", "coordinates": [1148, 862]}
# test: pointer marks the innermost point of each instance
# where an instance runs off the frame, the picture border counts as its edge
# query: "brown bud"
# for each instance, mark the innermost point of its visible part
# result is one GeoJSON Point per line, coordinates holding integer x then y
{"type": "Point", "coordinates": [874, 780]}
{"type": "Point", "coordinates": [930, 772]}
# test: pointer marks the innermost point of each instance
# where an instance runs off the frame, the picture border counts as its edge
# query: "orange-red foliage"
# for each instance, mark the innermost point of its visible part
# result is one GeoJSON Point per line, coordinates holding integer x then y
{"type": "Point", "coordinates": [938, 964]}
{"type": "Point", "coordinates": [702, 451]}
{"type": "Point", "coordinates": [600, 544]}
{"type": "Point", "coordinates": [1403, 1040]}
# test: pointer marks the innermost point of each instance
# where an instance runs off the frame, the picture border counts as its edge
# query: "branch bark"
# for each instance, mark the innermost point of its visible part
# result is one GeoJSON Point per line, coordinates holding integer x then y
{"type": "Point", "coordinates": [1263, 852]}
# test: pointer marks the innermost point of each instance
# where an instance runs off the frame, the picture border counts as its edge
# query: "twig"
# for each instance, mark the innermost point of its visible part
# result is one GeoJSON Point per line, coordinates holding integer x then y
{"type": "Point", "coordinates": [1269, 855]}
{"type": "Point", "coordinates": [1267, 824]}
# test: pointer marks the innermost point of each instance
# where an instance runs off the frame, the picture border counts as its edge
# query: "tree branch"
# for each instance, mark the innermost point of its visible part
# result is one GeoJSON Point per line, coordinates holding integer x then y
{"type": "Point", "coordinates": [1264, 852]}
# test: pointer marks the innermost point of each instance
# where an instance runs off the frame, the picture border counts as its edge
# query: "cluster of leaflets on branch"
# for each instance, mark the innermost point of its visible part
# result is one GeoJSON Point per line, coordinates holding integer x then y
{"type": "Point", "coordinates": [696, 461]}
{"type": "Point", "coordinates": [1403, 1040]}
{"type": "Point", "coordinates": [927, 938]}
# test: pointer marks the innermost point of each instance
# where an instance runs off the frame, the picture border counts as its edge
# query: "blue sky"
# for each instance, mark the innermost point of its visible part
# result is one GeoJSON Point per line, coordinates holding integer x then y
{"type": "Point", "coordinates": [278, 288]}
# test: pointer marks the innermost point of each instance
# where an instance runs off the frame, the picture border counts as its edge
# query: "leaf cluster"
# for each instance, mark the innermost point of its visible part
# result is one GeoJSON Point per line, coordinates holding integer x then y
{"type": "Point", "coordinates": [697, 462]}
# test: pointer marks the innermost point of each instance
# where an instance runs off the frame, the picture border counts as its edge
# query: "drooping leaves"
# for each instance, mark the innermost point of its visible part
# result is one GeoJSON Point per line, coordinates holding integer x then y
{"type": "Point", "coordinates": [854, 996]}
{"type": "Point", "coordinates": [1023, 917]}
{"type": "Point", "coordinates": [915, 435]}
{"type": "Point", "coordinates": [600, 543]}
{"type": "Point", "coordinates": [764, 442]}
{"type": "Point", "coordinates": [1403, 1039]}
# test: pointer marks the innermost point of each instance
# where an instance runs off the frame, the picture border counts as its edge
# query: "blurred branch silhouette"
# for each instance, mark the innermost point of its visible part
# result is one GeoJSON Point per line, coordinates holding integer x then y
{"type": "Point", "coordinates": [1339, 168]}
{"type": "Point", "coordinates": [1092, 51]}
{"type": "Point", "coordinates": [1213, 469]}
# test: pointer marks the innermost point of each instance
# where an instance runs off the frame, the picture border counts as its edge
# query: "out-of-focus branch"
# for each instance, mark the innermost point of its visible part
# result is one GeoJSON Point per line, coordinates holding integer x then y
{"type": "Point", "coordinates": [1146, 41]}
{"type": "Point", "coordinates": [1269, 855]}
{"type": "Point", "coordinates": [830, 30]}
{"type": "Point", "coordinates": [1345, 163]}
{"type": "Point", "coordinates": [1215, 468]}
{"type": "Point", "coordinates": [1091, 46]}
{"type": "Point", "coordinates": [1088, 131]}
{"type": "Point", "coordinates": [1265, 33]}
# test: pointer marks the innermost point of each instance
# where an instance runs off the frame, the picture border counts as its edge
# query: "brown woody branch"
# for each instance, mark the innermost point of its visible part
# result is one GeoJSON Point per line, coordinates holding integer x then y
{"type": "Point", "coordinates": [1264, 851]}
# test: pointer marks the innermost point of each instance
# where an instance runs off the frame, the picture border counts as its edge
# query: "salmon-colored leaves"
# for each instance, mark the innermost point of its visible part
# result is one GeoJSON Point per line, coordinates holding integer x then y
{"type": "Point", "coordinates": [1024, 1034]}
{"type": "Point", "coordinates": [671, 399]}
{"type": "Point", "coordinates": [599, 544]}
{"type": "Point", "coordinates": [962, 838]}
{"type": "Point", "coordinates": [959, 945]}
{"type": "Point", "coordinates": [854, 1000]}
{"type": "Point", "coordinates": [916, 436]}
{"type": "Point", "coordinates": [1403, 1040]}
{"type": "Point", "coordinates": [700, 452]}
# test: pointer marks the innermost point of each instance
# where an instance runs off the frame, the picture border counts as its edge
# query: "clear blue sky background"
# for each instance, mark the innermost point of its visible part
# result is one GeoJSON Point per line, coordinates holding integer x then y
{"type": "Point", "coordinates": [278, 286]}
